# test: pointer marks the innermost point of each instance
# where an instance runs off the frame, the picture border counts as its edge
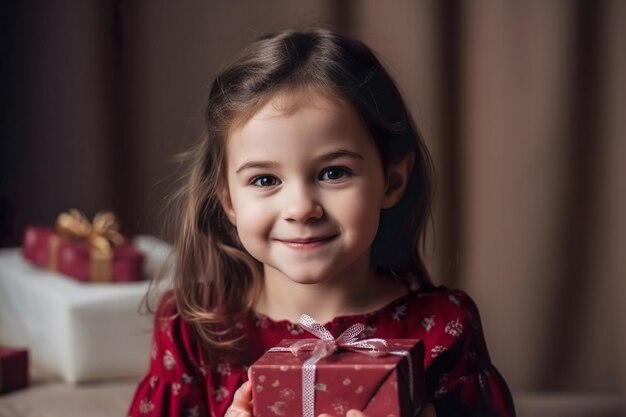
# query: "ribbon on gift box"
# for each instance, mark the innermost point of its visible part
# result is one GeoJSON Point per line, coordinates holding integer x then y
{"type": "Point", "coordinates": [325, 345]}
{"type": "Point", "coordinates": [101, 234]}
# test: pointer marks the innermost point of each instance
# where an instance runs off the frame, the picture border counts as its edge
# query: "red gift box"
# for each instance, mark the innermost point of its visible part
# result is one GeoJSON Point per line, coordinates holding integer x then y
{"type": "Point", "coordinates": [82, 257]}
{"type": "Point", "coordinates": [388, 385]}
{"type": "Point", "coordinates": [13, 369]}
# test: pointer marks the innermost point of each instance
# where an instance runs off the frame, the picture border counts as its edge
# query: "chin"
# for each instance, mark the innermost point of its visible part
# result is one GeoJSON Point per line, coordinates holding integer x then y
{"type": "Point", "coordinates": [311, 281]}
{"type": "Point", "coordinates": [309, 277]}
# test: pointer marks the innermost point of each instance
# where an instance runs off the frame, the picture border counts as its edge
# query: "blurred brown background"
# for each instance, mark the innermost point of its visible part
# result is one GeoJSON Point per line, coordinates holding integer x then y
{"type": "Point", "coordinates": [522, 104]}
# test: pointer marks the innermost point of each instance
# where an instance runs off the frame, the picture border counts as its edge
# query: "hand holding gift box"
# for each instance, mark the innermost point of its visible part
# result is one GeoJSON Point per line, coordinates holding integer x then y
{"type": "Point", "coordinates": [326, 375]}
{"type": "Point", "coordinates": [83, 250]}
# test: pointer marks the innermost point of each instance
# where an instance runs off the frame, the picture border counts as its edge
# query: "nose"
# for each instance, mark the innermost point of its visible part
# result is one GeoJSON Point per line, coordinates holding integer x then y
{"type": "Point", "coordinates": [302, 206]}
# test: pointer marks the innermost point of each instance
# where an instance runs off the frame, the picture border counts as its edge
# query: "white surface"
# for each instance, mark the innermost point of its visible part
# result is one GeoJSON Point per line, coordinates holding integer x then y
{"type": "Point", "coordinates": [80, 331]}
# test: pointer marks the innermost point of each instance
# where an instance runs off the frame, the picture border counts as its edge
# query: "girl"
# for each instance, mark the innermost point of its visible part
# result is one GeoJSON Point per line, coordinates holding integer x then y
{"type": "Point", "coordinates": [309, 193]}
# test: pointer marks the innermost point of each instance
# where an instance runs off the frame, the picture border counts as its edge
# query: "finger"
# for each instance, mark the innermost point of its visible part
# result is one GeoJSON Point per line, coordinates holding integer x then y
{"type": "Point", "coordinates": [427, 411]}
{"type": "Point", "coordinates": [355, 413]}
{"type": "Point", "coordinates": [242, 397]}
{"type": "Point", "coordinates": [325, 415]}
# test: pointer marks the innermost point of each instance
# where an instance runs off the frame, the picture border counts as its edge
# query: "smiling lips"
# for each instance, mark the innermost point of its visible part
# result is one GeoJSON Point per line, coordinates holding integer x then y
{"type": "Point", "coordinates": [308, 243]}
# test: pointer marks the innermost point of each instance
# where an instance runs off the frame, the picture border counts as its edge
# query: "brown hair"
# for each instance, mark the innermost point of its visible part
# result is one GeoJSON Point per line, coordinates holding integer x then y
{"type": "Point", "coordinates": [216, 280]}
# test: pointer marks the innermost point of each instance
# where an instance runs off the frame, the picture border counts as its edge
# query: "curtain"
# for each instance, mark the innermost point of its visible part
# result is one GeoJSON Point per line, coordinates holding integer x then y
{"type": "Point", "coordinates": [523, 107]}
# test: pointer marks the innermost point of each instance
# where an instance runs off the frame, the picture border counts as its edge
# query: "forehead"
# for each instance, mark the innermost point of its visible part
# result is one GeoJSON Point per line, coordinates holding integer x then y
{"type": "Point", "coordinates": [288, 101]}
{"type": "Point", "coordinates": [299, 113]}
{"type": "Point", "coordinates": [297, 130]}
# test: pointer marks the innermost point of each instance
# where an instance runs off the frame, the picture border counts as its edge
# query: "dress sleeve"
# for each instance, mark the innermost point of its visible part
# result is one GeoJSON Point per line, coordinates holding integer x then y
{"type": "Point", "coordinates": [175, 384]}
{"type": "Point", "coordinates": [461, 380]}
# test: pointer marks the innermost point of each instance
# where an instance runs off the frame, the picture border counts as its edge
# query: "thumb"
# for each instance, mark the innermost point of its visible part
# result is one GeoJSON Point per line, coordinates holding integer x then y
{"type": "Point", "coordinates": [242, 397]}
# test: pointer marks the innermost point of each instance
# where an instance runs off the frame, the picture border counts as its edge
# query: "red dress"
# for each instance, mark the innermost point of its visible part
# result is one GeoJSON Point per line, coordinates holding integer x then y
{"type": "Point", "coordinates": [460, 378]}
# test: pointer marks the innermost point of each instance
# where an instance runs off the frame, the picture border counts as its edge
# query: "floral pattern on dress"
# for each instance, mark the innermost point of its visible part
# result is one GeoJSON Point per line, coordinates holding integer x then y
{"type": "Point", "coordinates": [169, 362]}
{"type": "Point", "coordinates": [223, 368]}
{"type": "Point", "coordinates": [369, 331]}
{"type": "Point", "coordinates": [220, 393]}
{"type": "Point", "coordinates": [399, 312]}
{"type": "Point", "coordinates": [437, 350]}
{"type": "Point", "coordinates": [428, 323]}
{"type": "Point", "coordinates": [454, 328]}
{"type": "Point", "coordinates": [146, 406]}
{"type": "Point", "coordinates": [454, 299]}
{"type": "Point", "coordinates": [186, 378]}
{"type": "Point", "coordinates": [193, 412]}
{"type": "Point", "coordinates": [294, 329]}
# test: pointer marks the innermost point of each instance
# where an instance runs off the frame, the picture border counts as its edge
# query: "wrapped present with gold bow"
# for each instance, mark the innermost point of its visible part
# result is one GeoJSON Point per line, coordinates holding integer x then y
{"type": "Point", "coordinates": [307, 377]}
{"type": "Point", "coordinates": [88, 251]}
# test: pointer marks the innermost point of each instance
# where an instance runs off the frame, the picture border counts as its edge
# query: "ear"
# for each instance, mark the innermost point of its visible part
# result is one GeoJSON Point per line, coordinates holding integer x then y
{"type": "Point", "coordinates": [397, 179]}
{"type": "Point", "coordinates": [227, 205]}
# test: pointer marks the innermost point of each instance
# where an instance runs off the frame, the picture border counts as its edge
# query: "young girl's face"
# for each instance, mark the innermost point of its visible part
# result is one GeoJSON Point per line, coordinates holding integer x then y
{"type": "Point", "coordinates": [305, 188]}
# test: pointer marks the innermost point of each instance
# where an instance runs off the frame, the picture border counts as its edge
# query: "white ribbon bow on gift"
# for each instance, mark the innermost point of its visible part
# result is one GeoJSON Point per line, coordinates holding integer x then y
{"type": "Point", "coordinates": [325, 345]}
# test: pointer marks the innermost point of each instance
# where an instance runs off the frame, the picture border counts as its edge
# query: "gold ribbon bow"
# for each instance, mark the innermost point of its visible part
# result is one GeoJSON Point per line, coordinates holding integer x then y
{"type": "Point", "coordinates": [102, 234]}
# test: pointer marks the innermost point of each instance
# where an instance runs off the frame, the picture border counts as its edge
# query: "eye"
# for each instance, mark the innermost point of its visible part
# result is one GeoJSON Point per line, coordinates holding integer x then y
{"type": "Point", "coordinates": [264, 181]}
{"type": "Point", "coordinates": [334, 174]}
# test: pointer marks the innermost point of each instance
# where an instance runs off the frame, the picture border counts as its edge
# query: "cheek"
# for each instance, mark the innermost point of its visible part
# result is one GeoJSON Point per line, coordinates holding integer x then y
{"type": "Point", "coordinates": [253, 220]}
{"type": "Point", "coordinates": [252, 234]}
{"type": "Point", "coordinates": [361, 211]}
{"type": "Point", "coordinates": [251, 224]}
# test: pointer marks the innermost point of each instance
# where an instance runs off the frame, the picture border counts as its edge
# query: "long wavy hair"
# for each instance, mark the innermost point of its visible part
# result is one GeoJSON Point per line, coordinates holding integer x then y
{"type": "Point", "coordinates": [215, 280]}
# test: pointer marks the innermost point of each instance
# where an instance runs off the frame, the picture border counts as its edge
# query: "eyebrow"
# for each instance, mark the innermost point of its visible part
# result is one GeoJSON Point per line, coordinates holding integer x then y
{"type": "Point", "coordinates": [341, 153]}
{"type": "Point", "coordinates": [331, 156]}
{"type": "Point", "coordinates": [256, 164]}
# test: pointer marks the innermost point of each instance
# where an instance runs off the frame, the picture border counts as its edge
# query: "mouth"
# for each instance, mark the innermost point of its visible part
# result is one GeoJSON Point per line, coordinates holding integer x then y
{"type": "Point", "coordinates": [307, 243]}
